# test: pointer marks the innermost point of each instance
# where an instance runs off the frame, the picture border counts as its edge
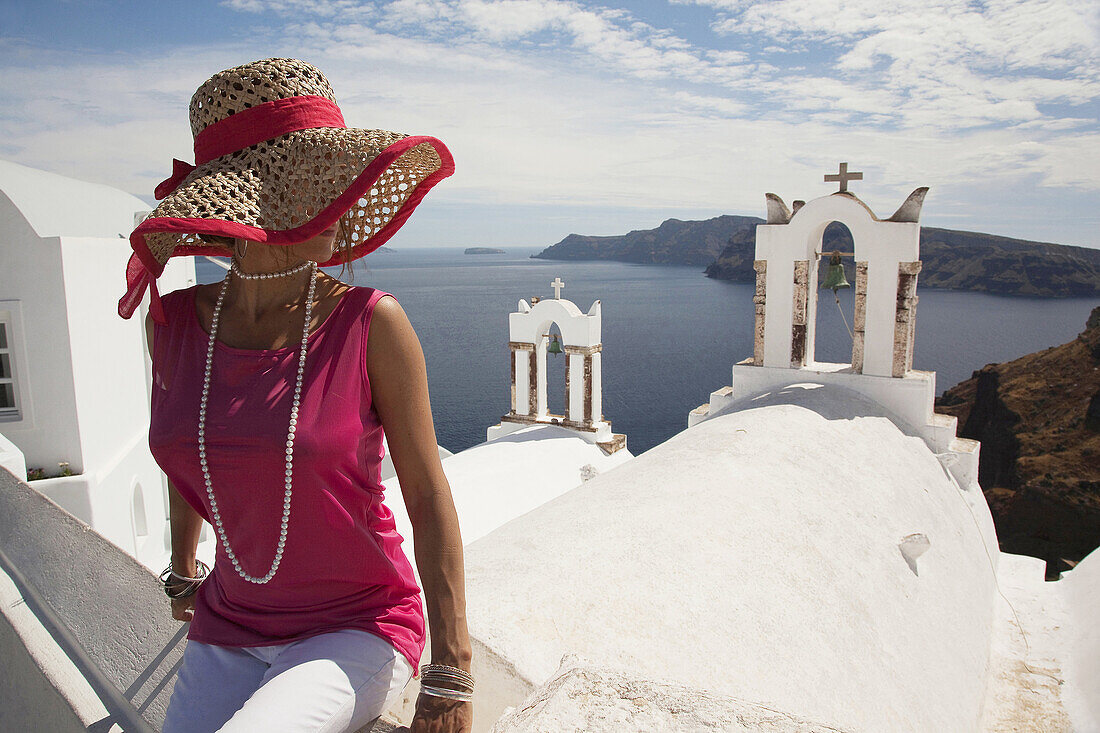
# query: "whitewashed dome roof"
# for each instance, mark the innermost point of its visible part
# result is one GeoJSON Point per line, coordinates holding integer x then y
{"type": "Point", "coordinates": [759, 555]}
{"type": "Point", "coordinates": [58, 206]}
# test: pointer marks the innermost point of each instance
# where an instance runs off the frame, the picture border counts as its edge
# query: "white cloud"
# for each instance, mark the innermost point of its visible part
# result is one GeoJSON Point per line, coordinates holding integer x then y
{"type": "Point", "coordinates": [319, 8]}
{"type": "Point", "coordinates": [552, 101]}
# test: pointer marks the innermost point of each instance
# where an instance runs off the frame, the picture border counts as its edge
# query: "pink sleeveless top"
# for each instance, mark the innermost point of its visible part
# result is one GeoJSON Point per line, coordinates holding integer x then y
{"type": "Point", "coordinates": [343, 566]}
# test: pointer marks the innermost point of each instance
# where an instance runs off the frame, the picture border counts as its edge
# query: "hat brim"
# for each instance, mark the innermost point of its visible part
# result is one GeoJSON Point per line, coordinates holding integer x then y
{"type": "Point", "coordinates": [291, 189]}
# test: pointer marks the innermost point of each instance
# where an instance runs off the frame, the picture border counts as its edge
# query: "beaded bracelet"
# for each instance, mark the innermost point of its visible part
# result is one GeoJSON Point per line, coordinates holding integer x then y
{"type": "Point", "coordinates": [178, 586]}
{"type": "Point", "coordinates": [445, 670]}
{"type": "Point", "coordinates": [434, 675]}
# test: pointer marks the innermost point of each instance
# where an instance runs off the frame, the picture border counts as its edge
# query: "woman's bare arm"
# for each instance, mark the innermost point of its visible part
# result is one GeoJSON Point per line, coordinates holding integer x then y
{"type": "Point", "coordinates": [185, 524]}
{"type": "Point", "coordinates": [399, 388]}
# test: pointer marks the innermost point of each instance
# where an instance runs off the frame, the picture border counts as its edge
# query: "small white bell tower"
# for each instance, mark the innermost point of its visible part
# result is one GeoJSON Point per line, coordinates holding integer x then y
{"type": "Point", "coordinates": [529, 340]}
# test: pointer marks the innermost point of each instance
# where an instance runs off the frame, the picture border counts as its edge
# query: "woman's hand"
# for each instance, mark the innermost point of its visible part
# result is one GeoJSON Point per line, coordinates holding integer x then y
{"type": "Point", "coordinates": [440, 715]}
{"type": "Point", "coordinates": [183, 609]}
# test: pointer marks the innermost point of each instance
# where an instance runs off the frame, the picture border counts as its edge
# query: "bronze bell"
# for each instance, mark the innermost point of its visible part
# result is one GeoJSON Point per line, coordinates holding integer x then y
{"type": "Point", "coordinates": [834, 278]}
{"type": "Point", "coordinates": [555, 345]}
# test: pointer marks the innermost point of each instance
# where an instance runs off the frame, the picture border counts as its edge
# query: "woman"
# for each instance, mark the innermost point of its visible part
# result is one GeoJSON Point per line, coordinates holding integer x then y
{"type": "Point", "coordinates": [272, 390]}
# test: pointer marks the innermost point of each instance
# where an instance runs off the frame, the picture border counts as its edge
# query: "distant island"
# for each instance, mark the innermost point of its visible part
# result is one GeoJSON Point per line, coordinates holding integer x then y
{"type": "Point", "coordinates": [955, 260]}
{"type": "Point", "coordinates": [482, 251]}
{"type": "Point", "coordinates": [675, 242]}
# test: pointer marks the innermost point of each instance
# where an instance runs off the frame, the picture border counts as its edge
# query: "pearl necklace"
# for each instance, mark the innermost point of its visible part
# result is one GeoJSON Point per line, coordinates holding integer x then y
{"type": "Point", "coordinates": [267, 275]}
{"type": "Point", "coordinates": [216, 515]}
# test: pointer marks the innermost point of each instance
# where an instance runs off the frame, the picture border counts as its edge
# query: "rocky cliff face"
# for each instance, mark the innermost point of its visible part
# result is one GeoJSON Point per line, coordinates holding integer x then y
{"type": "Point", "coordinates": [1038, 420]}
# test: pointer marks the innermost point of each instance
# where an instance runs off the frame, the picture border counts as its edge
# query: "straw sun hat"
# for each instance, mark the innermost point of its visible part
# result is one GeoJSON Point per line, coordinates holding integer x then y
{"type": "Point", "coordinates": [276, 164]}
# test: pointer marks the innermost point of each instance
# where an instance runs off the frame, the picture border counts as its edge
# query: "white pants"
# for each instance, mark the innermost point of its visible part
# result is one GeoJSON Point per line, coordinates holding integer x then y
{"type": "Point", "coordinates": [330, 683]}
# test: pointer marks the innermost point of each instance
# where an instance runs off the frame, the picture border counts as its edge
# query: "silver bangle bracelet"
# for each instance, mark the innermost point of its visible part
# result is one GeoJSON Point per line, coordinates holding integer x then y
{"type": "Point", "coordinates": [446, 693]}
{"type": "Point", "coordinates": [177, 586]}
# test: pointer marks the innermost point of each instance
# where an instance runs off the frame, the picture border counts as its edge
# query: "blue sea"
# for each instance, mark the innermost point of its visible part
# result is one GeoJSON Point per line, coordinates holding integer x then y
{"type": "Point", "coordinates": [670, 335]}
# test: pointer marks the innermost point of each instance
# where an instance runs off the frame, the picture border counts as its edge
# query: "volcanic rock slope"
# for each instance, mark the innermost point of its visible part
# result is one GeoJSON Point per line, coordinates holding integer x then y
{"type": "Point", "coordinates": [1038, 420]}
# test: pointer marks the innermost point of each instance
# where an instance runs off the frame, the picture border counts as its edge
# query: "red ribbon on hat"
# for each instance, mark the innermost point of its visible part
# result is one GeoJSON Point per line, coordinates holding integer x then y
{"type": "Point", "coordinates": [253, 125]}
{"type": "Point", "coordinates": [138, 278]}
{"type": "Point", "coordinates": [180, 170]}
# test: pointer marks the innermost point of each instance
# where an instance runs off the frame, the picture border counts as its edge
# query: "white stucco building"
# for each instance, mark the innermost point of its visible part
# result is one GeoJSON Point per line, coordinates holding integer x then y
{"type": "Point", "coordinates": [74, 389]}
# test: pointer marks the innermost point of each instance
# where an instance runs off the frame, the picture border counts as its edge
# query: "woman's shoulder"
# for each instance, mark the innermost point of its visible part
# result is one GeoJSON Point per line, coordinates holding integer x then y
{"type": "Point", "coordinates": [180, 303]}
{"type": "Point", "coordinates": [364, 299]}
{"type": "Point", "coordinates": [183, 294]}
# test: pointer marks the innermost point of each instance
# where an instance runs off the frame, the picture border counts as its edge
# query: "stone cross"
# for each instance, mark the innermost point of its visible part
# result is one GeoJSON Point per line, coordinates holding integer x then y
{"type": "Point", "coordinates": [557, 285]}
{"type": "Point", "coordinates": [844, 176]}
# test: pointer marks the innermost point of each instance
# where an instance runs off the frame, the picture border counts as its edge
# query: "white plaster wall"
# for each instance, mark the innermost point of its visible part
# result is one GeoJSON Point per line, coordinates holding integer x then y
{"type": "Point", "coordinates": [106, 503]}
{"type": "Point", "coordinates": [493, 483]}
{"type": "Point", "coordinates": [542, 404]}
{"type": "Point", "coordinates": [107, 352]}
{"type": "Point", "coordinates": [911, 398]}
{"type": "Point", "coordinates": [757, 555]}
{"type": "Point", "coordinates": [111, 382]}
{"type": "Point", "coordinates": [1081, 594]}
{"type": "Point", "coordinates": [119, 416]}
{"type": "Point", "coordinates": [55, 205]}
{"type": "Point", "coordinates": [11, 458]}
{"type": "Point", "coordinates": [523, 382]}
{"type": "Point", "coordinates": [82, 371]}
{"type": "Point", "coordinates": [575, 365]}
{"type": "Point", "coordinates": [1027, 677]}
{"type": "Point", "coordinates": [593, 699]}
{"type": "Point", "coordinates": [909, 401]}
{"type": "Point", "coordinates": [577, 329]}
{"type": "Point", "coordinates": [32, 289]}
{"type": "Point", "coordinates": [597, 387]}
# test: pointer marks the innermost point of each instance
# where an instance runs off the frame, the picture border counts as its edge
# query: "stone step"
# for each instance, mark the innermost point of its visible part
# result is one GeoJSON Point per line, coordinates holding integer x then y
{"type": "Point", "coordinates": [699, 414]}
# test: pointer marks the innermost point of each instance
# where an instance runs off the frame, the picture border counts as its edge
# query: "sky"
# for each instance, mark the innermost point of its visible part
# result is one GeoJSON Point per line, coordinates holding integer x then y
{"type": "Point", "coordinates": [566, 116]}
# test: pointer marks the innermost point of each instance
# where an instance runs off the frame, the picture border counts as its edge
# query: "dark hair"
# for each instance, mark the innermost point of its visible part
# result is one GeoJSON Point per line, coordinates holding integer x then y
{"type": "Point", "coordinates": [227, 242]}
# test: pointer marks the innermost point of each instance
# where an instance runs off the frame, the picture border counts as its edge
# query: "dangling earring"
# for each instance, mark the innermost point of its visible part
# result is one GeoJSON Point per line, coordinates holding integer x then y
{"type": "Point", "coordinates": [241, 249]}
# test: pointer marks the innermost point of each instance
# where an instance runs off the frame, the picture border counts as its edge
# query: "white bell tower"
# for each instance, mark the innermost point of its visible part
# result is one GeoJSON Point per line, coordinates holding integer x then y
{"type": "Point", "coordinates": [887, 257]}
{"type": "Point", "coordinates": [529, 340]}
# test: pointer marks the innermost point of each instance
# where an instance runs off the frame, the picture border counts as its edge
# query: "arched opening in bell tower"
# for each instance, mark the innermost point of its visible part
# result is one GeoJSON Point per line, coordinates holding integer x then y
{"type": "Point", "coordinates": [833, 319]}
{"type": "Point", "coordinates": [553, 346]}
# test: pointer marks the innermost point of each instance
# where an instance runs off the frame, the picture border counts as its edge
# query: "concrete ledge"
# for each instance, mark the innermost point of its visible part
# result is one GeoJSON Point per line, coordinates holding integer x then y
{"type": "Point", "coordinates": [42, 689]}
{"type": "Point", "coordinates": [109, 601]}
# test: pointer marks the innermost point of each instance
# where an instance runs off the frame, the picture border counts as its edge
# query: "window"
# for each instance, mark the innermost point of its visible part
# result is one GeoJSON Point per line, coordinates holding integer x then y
{"type": "Point", "coordinates": [9, 392]}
